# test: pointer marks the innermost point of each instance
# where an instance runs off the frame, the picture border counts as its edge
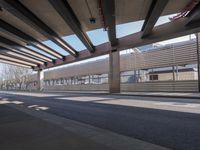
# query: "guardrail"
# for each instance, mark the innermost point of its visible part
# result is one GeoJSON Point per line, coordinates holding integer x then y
{"type": "Point", "coordinates": [167, 86]}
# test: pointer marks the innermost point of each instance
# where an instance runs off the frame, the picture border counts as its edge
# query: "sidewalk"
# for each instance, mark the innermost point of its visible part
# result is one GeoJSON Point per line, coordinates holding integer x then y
{"type": "Point", "coordinates": [20, 131]}
{"type": "Point", "coordinates": [163, 94]}
{"type": "Point", "coordinates": [152, 94]}
{"type": "Point", "coordinates": [146, 94]}
{"type": "Point", "coordinates": [26, 129]}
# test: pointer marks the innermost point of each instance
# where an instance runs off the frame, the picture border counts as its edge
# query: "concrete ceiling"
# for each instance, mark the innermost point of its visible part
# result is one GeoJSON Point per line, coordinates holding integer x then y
{"type": "Point", "coordinates": [53, 24]}
{"type": "Point", "coordinates": [126, 11]}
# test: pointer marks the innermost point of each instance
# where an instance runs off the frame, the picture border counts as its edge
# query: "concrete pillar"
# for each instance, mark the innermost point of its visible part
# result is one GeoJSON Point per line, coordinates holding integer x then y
{"type": "Point", "coordinates": [198, 60]}
{"type": "Point", "coordinates": [173, 73]}
{"type": "Point", "coordinates": [89, 79]}
{"type": "Point", "coordinates": [40, 80]}
{"type": "Point", "coordinates": [138, 76]}
{"type": "Point", "coordinates": [177, 77]}
{"type": "Point", "coordinates": [114, 73]}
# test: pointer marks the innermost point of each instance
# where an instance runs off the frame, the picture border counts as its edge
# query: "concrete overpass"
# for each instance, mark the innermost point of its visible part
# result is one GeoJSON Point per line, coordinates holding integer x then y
{"type": "Point", "coordinates": [32, 22]}
{"type": "Point", "coordinates": [97, 120]}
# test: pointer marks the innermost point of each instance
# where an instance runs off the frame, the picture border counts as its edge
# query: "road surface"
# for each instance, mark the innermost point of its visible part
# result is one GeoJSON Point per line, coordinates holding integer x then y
{"type": "Point", "coordinates": [170, 122]}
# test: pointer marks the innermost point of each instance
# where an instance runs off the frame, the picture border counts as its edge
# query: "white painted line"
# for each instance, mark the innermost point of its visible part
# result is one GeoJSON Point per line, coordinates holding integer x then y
{"type": "Point", "coordinates": [32, 106]}
{"type": "Point", "coordinates": [17, 102]}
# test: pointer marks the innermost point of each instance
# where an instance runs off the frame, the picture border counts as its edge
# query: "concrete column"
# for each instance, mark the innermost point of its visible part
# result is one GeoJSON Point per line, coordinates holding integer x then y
{"type": "Point", "coordinates": [177, 77]}
{"type": "Point", "coordinates": [40, 80]}
{"type": "Point", "coordinates": [114, 73]}
{"type": "Point", "coordinates": [198, 60]}
{"type": "Point", "coordinates": [173, 73]}
{"type": "Point", "coordinates": [138, 76]}
{"type": "Point", "coordinates": [89, 79]}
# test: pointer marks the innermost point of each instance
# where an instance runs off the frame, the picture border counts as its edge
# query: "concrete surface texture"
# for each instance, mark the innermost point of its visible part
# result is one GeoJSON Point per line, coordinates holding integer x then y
{"type": "Point", "coordinates": [20, 131]}
{"type": "Point", "coordinates": [97, 121]}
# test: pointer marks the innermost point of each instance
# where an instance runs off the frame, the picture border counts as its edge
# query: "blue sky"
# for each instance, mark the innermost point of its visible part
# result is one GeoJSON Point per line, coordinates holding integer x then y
{"type": "Point", "coordinates": [99, 36]}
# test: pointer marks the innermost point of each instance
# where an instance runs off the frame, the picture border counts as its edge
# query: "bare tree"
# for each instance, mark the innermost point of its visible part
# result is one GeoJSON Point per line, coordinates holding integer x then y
{"type": "Point", "coordinates": [15, 77]}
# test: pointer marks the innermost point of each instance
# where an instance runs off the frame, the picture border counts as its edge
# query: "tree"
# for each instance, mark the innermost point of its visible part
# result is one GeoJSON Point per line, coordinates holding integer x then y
{"type": "Point", "coordinates": [14, 77]}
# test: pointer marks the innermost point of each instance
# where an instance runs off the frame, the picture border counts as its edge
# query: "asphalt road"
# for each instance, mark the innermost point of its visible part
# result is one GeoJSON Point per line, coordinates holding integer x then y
{"type": "Point", "coordinates": [169, 122]}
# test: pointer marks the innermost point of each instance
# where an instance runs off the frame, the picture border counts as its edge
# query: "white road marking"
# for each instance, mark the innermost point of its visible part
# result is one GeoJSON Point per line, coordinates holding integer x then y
{"type": "Point", "coordinates": [32, 106]}
{"type": "Point", "coordinates": [37, 107]}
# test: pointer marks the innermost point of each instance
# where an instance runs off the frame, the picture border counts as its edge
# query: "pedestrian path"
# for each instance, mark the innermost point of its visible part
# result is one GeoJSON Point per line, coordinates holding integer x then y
{"type": "Point", "coordinates": [23, 128]}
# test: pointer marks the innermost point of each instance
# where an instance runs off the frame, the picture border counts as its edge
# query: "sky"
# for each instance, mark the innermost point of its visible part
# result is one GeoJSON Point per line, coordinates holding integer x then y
{"type": "Point", "coordinates": [99, 36]}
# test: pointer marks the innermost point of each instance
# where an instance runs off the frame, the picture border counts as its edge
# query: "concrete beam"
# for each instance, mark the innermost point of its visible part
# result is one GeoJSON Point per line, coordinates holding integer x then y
{"type": "Point", "coordinates": [194, 15]}
{"type": "Point", "coordinates": [7, 28]}
{"type": "Point", "coordinates": [17, 46]}
{"type": "Point", "coordinates": [14, 63]}
{"type": "Point", "coordinates": [108, 7]}
{"type": "Point", "coordinates": [20, 11]}
{"type": "Point", "coordinates": [4, 47]}
{"type": "Point", "coordinates": [21, 58]}
{"type": "Point", "coordinates": [114, 72]}
{"type": "Point", "coordinates": [155, 11]}
{"type": "Point", "coordinates": [66, 12]}
{"type": "Point", "coordinates": [84, 54]}
{"type": "Point", "coordinates": [19, 55]}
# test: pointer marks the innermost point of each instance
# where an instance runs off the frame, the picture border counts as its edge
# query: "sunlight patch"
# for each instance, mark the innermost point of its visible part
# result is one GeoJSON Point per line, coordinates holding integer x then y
{"type": "Point", "coordinates": [190, 105]}
{"type": "Point", "coordinates": [169, 106]}
{"type": "Point", "coordinates": [4, 102]}
{"type": "Point", "coordinates": [84, 98]}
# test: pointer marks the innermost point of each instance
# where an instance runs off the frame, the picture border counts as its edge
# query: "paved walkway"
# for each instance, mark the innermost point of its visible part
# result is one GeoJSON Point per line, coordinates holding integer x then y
{"type": "Point", "coordinates": [20, 131]}
{"type": "Point", "coordinates": [152, 94]}
{"type": "Point", "coordinates": [156, 94]}
{"type": "Point", "coordinates": [22, 128]}
{"type": "Point", "coordinates": [164, 94]}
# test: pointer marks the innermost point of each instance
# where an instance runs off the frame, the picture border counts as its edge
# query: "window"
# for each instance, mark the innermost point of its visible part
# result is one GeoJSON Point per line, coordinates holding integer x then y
{"type": "Point", "coordinates": [153, 77]}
